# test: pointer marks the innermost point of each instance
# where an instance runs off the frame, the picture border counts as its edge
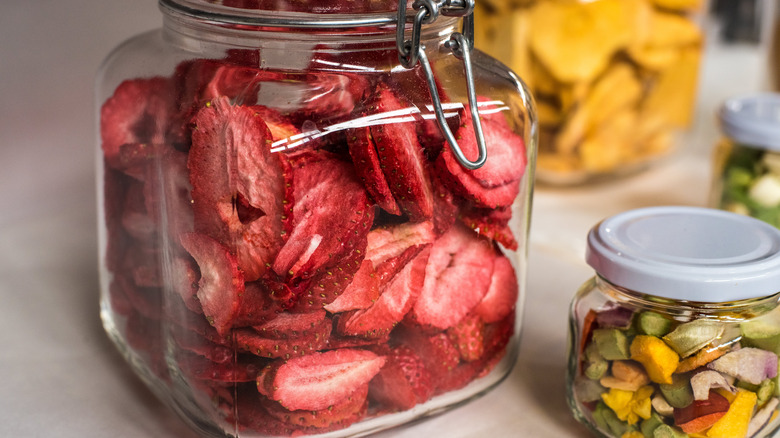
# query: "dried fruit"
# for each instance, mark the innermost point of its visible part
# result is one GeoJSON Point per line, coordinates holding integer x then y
{"type": "Point", "coordinates": [403, 382]}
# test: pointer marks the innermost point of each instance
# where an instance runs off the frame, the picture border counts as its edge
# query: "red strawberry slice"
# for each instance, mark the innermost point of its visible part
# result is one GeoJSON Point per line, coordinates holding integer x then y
{"type": "Point", "coordinates": [331, 215]}
{"type": "Point", "coordinates": [147, 301]}
{"type": "Point", "coordinates": [388, 243]}
{"type": "Point", "coordinates": [316, 381]}
{"type": "Point", "coordinates": [445, 207]}
{"type": "Point", "coordinates": [491, 223]}
{"type": "Point", "coordinates": [234, 371]}
{"type": "Point", "coordinates": [134, 159]}
{"type": "Point", "coordinates": [468, 335]}
{"type": "Point", "coordinates": [395, 301]}
{"type": "Point", "coordinates": [496, 339]}
{"type": "Point", "coordinates": [254, 342]}
{"type": "Point", "coordinates": [367, 165]}
{"type": "Point", "coordinates": [330, 96]}
{"type": "Point", "coordinates": [221, 284]}
{"type": "Point", "coordinates": [401, 156]}
{"type": "Point", "coordinates": [257, 305]}
{"type": "Point", "coordinates": [403, 382]}
{"type": "Point", "coordinates": [336, 414]}
{"type": "Point", "coordinates": [237, 184]}
{"type": "Point", "coordinates": [142, 263]}
{"type": "Point", "coordinates": [501, 297]}
{"type": "Point", "coordinates": [195, 343]}
{"type": "Point", "coordinates": [329, 283]}
{"type": "Point", "coordinates": [496, 184]}
{"type": "Point", "coordinates": [361, 293]}
{"type": "Point", "coordinates": [184, 279]}
{"type": "Point", "coordinates": [457, 277]}
{"type": "Point", "coordinates": [437, 351]}
{"type": "Point", "coordinates": [292, 325]}
{"type": "Point", "coordinates": [281, 127]}
{"type": "Point", "coordinates": [135, 219]}
{"type": "Point", "coordinates": [137, 113]}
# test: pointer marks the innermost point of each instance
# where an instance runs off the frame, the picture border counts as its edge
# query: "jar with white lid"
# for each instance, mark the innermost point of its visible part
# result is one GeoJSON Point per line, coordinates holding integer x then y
{"type": "Point", "coordinates": [746, 175]}
{"type": "Point", "coordinates": [678, 333]}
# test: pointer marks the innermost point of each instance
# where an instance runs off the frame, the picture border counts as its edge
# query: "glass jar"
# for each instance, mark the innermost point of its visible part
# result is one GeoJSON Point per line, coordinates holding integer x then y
{"type": "Point", "coordinates": [290, 242]}
{"type": "Point", "coordinates": [746, 174]}
{"type": "Point", "coordinates": [678, 332]}
{"type": "Point", "coordinates": [613, 80]}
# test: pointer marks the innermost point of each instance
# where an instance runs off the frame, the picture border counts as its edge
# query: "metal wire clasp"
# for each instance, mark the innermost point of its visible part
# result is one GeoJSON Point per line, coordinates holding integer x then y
{"type": "Point", "coordinates": [410, 52]}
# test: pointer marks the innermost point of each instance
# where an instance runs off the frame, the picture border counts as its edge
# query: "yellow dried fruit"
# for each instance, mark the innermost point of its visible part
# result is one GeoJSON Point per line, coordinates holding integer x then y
{"type": "Point", "coordinates": [659, 360]}
{"type": "Point", "coordinates": [735, 423]}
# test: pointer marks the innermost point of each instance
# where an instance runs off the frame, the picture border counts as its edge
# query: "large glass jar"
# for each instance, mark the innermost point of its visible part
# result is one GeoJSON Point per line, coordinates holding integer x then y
{"type": "Point", "coordinates": [746, 160]}
{"type": "Point", "coordinates": [289, 241]}
{"type": "Point", "coordinates": [613, 80]}
{"type": "Point", "coordinates": [678, 333]}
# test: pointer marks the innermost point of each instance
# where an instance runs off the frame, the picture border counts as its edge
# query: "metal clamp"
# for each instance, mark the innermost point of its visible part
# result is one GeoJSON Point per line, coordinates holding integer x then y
{"type": "Point", "coordinates": [411, 51]}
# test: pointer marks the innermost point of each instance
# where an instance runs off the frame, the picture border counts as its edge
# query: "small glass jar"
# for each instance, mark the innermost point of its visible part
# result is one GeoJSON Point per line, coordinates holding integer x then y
{"type": "Point", "coordinates": [290, 242]}
{"type": "Point", "coordinates": [746, 173]}
{"type": "Point", "coordinates": [678, 333]}
{"type": "Point", "coordinates": [613, 80]}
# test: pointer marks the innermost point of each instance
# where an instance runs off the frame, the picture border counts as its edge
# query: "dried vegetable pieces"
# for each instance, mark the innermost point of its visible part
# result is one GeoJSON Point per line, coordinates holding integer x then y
{"type": "Point", "coordinates": [643, 372]}
{"type": "Point", "coordinates": [307, 281]}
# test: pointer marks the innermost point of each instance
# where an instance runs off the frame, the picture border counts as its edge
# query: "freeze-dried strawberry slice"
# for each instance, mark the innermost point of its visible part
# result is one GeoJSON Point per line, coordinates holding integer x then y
{"type": "Point", "coordinates": [395, 301]}
{"type": "Point", "coordinates": [387, 243]}
{"type": "Point", "coordinates": [501, 297]}
{"type": "Point", "coordinates": [292, 325]}
{"type": "Point", "coordinates": [445, 207]}
{"type": "Point", "coordinates": [491, 223]}
{"type": "Point", "coordinates": [338, 414]}
{"type": "Point", "coordinates": [496, 184]}
{"type": "Point", "coordinates": [456, 279]}
{"type": "Point", "coordinates": [221, 283]}
{"type": "Point", "coordinates": [437, 351]}
{"type": "Point", "coordinates": [330, 96]}
{"type": "Point", "coordinates": [331, 215]}
{"type": "Point", "coordinates": [401, 157]}
{"type": "Point", "coordinates": [195, 343]}
{"type": "Point", "coordinates": [237, 371]}
{"type": "Point", "coordinates": [237, 184]}
{"type": "Point", "coordinates": [367, 165]}
{"type": "Point", "coordinates": [135, 218]}
{"type": "Point", "coordinates": [146, 301]}
{"type": "Point", "coordinates": [329, 283]}
{"type": "Point", "coordinates": [133, 159]}
{"type": "Point", "coordinates": [361, 293]}
{"type": "Point", "coordinates": [403, 382]}
{"type": "Point", "coordinates": [468, 335]}
{"type": "Point", "coordinates": [257, 305]}
{"type": "Point", "coordinates": [281, 127]}
{"type": "Point", "coordinates": [137, 113]}
{"type": "Point", "coordinates": [318, 380]}
{"type": "Point", "coordinates": [254, 342]}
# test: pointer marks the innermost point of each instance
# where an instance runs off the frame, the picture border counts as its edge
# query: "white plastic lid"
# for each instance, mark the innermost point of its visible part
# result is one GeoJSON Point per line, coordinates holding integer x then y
{"type": "Point", "coordinates": [753, 120]}
{"type": "Point", "coordinates": [687, 253]}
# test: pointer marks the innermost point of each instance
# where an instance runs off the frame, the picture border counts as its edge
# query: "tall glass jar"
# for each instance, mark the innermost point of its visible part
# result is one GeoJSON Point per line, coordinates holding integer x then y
{"type": "Point", "coordinates": [303, 231]}
{"type": "Point", "coordinates": [746, 170]}
{"type": "Point", "coordinates": [614, 80]}
{"type": "Point", "coordinates": [678, 333]}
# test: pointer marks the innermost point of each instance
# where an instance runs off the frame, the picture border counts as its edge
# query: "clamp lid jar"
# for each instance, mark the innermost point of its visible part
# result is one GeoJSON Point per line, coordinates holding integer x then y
{"type": "Point", "coordinates": [679, 330]}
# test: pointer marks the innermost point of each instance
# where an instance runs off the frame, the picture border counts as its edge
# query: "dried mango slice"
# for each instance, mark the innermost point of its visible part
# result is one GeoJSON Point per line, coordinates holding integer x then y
{"type": "Point", "coordinates": [575, 40]}
{"type": "Point", "coordinates": [610, 145]}
{"type": "Point", "coordinates": [735, 422]}
{"type": "Point", "coordinates": [671, 99]}
{"type": "Point", "coordinates": [660, 36]}
{"type": "Point", "coordinates": [659, 360]}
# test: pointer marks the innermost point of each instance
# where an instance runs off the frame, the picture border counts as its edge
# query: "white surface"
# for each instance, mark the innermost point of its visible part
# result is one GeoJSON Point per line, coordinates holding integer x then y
{"type": "Point", "coordinates": [61, 376]}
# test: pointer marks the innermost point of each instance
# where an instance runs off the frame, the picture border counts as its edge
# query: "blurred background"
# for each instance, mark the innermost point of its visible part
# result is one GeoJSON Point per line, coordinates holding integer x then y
{"type": "Point", "coordinates": [61, 372]}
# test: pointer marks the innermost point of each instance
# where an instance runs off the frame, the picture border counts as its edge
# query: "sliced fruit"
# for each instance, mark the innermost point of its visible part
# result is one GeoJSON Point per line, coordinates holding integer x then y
{"type": "Point", "coordinates": [735, 422]}
{"type": "Point", "coordinates": [501, 297]}
{"type": "Point", "coordinates": [659, 360]}
{"type": "Point", "coordinates": [331, 215]}
{"type": "Point", "coordinates": [401, 156]}
{"type": "Point", "coordinates": [491, 223]}
{"type": "Point", "coordinates": [292, 325]}
{"type": "Point", "coordinates": [749, 364]}
{"type": "Point", "coordinates": [221, 283]}
{"type": "Point", "coordinates": [254, 342]}
{"type": "Point", "coordinates": [702, 382]}
{"type": "Point", "coordinates": [319, 380]}
{"type": "Point", "coordinates": [338, 414]}
{"type": "Point", "coordinates": [469, 337]}
{"type": "Point", "coordinates": [395, 301]}
{"type": "Point", "coordinates": [701, 414]}
{"type": "Point", "coordinates": [237, 184]}
{"type": "Point", "coordinates": [367, 165]}
{"type": "Point", "coordinates": [403, 382]}
{"type": "Point", "coordinates": [457, 278]}
{"type": "Point", "coordinates": [361, 293]}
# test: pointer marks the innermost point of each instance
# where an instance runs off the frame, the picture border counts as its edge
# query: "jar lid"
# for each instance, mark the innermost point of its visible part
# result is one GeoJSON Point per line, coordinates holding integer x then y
{"type": "Point", "coordinates": [753, 120]}
{"type": "Point", "coordinates": [687, 253]}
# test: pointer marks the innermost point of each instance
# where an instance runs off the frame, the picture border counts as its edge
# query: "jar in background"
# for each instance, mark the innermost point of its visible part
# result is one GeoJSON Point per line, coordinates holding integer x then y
{"type": "Point", "coordinates": [613, 80]}
{"type": "Point", "coordinates": [288, 243]}
{"type": "Point", "coordinates": [746, 174]}
{"type": "Point", "coordinates": [678, 332]}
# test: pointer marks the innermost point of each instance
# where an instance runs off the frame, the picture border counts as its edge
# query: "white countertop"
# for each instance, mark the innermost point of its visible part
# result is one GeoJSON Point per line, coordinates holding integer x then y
{"type": "Point", "coordinates": [60, 375]}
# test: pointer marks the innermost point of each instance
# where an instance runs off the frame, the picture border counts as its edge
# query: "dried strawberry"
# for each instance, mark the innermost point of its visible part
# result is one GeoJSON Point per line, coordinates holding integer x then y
{"type": "Point", "coordinates": [257, 305]}
{"type": "Point", "coordinates": [221, 284]}
{"type": "Point", "coordinates": [401, 157]}
{"type": "Point", "coordinates": [395, 301]}
{"type": "Point", "coordinates": [293, 325]}
{"type": "Point", "coordinates": [330, 96]}
{"type": "Point", "coordinates": [142, 265]}
{"type": "Point", "coordinates": [468, 336]}
{"type": "Point", "coordinates": [340, 414]}
{"type": "Point", "coordinates": [195, 343]}
{"type": "Point", "coordinates": [388, 243]}
{"type": "Point", "coordinates": [497, 183]}
{"type": "Point", "coordinates": [501, 297]}
{"type": "Point", "coordinates": [367, 165]}
{"type": "Point", "coordinates": [328, 283]}
{"type": "Point", "coordinates": [456, 279]}
{"type": "Point", "coordinates": [281, 127]}
{"type": "Point", "coordinates": [361, 293]}
{"type": "Point", "coordinates": [167, 184]}
{"type": "Point", "coordinates": [235, 371]}
{"type": "Point", "coordinates": [491, 223]}
{"type": "Point", "coordinates": [147, 301]}
{"type": "Point", "coordinates": [445, 207]}
{"type": "Point", "coordinates": [237, 184]}
{"type": "Point", "coordinates": [143, 336]}
{"type": "Point", "coordinates": [135, 219]}
{"type": "Point", "coordinates": [316, 381]}
{"type": "Point", "coordinates": [437, 351]}
{"type": "Point", "coordinates": [184, 281]}
{"type": "Point", "coordinates": [331, 215]}
{"type": "Point", "coordinates": [137, 113]}
{"type": "Point", "coordinates": [403, 382]}
{"type": "Point", "coordinates": [254, 342]}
